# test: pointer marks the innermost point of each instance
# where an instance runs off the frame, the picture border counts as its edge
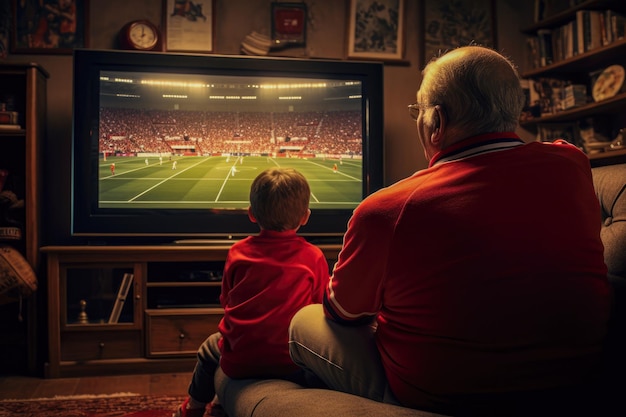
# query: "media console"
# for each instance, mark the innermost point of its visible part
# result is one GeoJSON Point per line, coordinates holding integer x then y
{"type": "Point", "coordinates": [133, 309]}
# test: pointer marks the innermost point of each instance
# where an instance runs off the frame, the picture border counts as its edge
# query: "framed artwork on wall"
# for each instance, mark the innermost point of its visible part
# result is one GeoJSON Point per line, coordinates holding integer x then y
{"type": "Point", "coordinates": [189, 26]}
{"type": "Point", "coordinates": [289, 24]}
{"type": "Point", "coordinates": [49, 27]}
{"type": "Point", "coordinates": [376, 29]}
{"type": "Point", "coordinates": [452, 23]}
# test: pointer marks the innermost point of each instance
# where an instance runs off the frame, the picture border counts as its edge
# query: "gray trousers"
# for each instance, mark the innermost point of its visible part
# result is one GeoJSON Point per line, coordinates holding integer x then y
{"type": "Point", "coordinates": [345, 358]}
{"type": "Point", "coordinates": [202, 386]}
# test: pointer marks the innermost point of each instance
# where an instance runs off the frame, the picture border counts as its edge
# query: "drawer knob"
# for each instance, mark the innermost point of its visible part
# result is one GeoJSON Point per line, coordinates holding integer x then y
{"type": "Point", "coordinates": [181, 336]}
{"type": "Point", "coordinates": [101, 345]}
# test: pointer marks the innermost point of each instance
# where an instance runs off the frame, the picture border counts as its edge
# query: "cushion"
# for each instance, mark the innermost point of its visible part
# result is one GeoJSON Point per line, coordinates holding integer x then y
{"type": "Point", "coordinates": [610, 185]}
{"type": "Point", "coordinates": [276, 398]}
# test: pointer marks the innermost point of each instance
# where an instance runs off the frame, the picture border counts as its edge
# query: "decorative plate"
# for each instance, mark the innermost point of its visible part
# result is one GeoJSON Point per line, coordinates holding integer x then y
{"type": "Point", "coordinates": [609, 83]}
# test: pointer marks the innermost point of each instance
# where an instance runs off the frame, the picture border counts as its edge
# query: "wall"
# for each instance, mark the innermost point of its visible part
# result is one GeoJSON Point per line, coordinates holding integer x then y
{"type": "Point", "coordinates": [326, 38]}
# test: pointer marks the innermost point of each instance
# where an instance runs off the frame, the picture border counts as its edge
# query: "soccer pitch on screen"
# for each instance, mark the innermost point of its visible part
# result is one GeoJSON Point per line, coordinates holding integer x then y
{"type": "Point", "coordinates": [219, 182]}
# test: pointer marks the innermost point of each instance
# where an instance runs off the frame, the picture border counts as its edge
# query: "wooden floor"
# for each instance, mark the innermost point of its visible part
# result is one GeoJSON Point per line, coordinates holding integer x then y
{"type": "Point", "coordinates": [19, 387]}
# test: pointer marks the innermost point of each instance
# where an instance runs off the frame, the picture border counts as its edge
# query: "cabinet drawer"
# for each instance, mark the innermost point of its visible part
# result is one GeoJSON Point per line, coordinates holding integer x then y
{"type": "Point", "coordinates": [179, 332]}
{"type": "Point", "coordinates": [84, 346]}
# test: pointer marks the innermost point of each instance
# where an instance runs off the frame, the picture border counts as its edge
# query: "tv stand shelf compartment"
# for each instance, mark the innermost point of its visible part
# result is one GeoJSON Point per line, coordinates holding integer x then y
{"type": "Point", "coordinates": [172, 305]}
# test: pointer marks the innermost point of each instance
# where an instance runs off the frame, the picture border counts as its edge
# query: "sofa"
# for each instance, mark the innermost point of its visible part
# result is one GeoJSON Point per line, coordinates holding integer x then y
{"type": "Point", "coordinates": [275, 398]}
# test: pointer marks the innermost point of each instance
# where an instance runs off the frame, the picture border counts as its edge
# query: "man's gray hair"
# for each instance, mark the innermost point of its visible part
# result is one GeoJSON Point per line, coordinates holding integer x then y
{"type": "Point", "coordinates": [478, 88]}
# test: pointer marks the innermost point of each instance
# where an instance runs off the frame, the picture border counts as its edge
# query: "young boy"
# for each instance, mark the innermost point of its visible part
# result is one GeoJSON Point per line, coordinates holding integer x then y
{"type": "Point", "coordinates": [267, 279]}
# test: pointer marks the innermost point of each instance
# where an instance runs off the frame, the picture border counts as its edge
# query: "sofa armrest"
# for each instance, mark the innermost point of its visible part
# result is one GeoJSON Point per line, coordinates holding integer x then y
{"type": "Point", "coordinates": [610, 186]}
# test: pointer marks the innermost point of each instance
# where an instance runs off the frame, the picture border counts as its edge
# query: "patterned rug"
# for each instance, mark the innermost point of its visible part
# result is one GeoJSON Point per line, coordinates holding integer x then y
{"type": "Point", "coordinates": [115, 405]}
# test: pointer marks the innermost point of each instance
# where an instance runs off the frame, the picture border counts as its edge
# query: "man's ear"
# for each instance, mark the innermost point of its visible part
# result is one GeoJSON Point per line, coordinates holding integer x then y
{"type": "Point", "coordinates": [251, 216]}
{"type": "Point", "coordinates": [439, 126]}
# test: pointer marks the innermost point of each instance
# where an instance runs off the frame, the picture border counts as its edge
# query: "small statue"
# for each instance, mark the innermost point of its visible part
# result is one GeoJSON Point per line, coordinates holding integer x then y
{"type": "Point", "coordinates": [82, 316]}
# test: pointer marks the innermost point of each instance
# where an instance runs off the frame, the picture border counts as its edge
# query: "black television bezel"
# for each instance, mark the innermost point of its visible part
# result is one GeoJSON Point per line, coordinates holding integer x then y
{"type": "Point", "coordinates": [89, 223]}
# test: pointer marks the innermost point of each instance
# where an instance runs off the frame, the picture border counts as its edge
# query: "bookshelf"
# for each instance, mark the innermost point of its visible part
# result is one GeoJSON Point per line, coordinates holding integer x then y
{"type": "Point", "coordinates": [23, 90]}
{"type": "Point", "coordinates": [608, 116]}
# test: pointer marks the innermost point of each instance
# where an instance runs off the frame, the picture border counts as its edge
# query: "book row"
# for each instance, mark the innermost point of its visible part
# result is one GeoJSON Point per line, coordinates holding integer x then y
{"type": "Point", "coordinates": [589, 30]}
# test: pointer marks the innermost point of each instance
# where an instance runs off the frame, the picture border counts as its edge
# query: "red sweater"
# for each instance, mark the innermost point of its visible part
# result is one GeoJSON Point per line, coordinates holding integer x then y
{"type": "Point", "coordinates": [485, 271]}
{"type": "Point", "coordinates": [267, 279]}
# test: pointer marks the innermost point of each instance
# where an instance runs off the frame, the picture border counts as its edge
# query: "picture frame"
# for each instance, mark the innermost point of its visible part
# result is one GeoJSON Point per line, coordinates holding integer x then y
{"type": "Point", "coordinates": [189, 26]}
{"type": "Point", "coordinates": [289, 24]}
{"type": "Point", "coordinates": [49, 28]}
{"type": "Point", "coordinates": [449, 24]}
{"type": "Point", "coordinates": [376, 29]}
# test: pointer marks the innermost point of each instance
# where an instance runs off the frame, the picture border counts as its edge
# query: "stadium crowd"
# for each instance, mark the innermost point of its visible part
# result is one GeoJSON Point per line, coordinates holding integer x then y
{"type": "Point", "coordinates": [134, 131]}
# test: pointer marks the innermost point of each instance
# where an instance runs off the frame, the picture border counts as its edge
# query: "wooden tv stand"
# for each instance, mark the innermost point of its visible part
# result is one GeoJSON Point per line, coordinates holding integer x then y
{"type": "Point", "coordinates": [171, 307]}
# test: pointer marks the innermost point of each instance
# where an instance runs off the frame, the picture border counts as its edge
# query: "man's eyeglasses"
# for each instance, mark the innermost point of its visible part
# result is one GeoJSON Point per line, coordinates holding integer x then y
{"type": "Point", "coordinates": [414, 110]}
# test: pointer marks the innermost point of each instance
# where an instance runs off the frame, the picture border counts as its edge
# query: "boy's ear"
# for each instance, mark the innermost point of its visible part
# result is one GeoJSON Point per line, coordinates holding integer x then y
{"type": "Point", "coordinates": [251, 216]}
{"type": "Point", "coordinates": [305, 218]}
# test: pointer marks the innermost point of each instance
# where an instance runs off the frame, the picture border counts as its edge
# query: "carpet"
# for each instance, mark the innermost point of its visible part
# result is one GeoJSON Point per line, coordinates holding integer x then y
{"type": "Point", "coordinates": [114, 405]}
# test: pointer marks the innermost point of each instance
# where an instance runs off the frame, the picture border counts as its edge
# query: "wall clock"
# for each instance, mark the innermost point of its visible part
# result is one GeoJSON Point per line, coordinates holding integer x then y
{"type": "Point", "coordinates": [140, 35]}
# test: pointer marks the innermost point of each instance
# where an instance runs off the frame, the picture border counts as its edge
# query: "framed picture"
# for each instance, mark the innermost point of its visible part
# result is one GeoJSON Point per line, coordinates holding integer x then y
{"type": "Point", "coordinates": [452, 23]}
{"type": "Point", "coordinates": [189, 26]}
{"type": "Point", "coordinates": [289, 24]}
{"type": "Point", "coordinates": [376, 29]}
{"type": "Point", "coordinates": [49, 27]}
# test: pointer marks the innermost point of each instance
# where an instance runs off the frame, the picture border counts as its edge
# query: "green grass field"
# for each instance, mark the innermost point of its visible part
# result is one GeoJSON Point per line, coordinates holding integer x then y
{"type": "Point", "coordinates": [207, 181]}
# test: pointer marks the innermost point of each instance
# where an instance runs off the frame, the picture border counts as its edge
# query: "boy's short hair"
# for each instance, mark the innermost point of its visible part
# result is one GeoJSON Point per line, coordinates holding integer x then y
{"type": "Point", "coordinates": [279, 199]}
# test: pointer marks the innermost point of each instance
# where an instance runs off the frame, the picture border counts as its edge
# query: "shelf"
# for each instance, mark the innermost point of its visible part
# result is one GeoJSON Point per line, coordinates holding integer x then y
{"type": "Point", "coordinates": [183, 284]}
{"type": "Point", "coordinates": [583, 63]}
{"type": "Point", "coordinates": [97, 326]}
{"type": "Point", "coordinates": [23, 89]}
{"type": "Point", "coordinates": [608, 158]}
{"type": "Point", "coordinates": [607, 116]}
{"type": "Point", "coordinates": [607, 154]}
{"type": "Point", "coordinates": [569, 14]}
{"type": "Point", "coordinates": [613, 105]}
{"type": "Point", "coordinates": [214, 309]}
{"type": "Point", "coordinates": [12, 132]}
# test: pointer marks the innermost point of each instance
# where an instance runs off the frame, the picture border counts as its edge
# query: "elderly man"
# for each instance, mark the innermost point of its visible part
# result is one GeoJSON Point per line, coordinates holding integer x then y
{"type": "Point", "coordinates": [477, 285]}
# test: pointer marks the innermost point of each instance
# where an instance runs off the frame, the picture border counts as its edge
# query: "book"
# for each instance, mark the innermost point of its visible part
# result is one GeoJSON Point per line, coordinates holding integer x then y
{"type": "Point", "coordinates": [573, 95]}
{"type": "Point", "coordinates": [545, 47]}
{"type": "Point", "coordinates": [570, 47]}
{"type": "Point", "coordinates": [609, 22]}
{"type": "Point", "coordinates": [617, 24]}
{"type": "Point", "coordinates": [532, 52]}
{"type": "Point", "coordinates": [532, 108]}
{"type": "Point", "coordinates": [549, 91]}
{"type": "Point", "coordinates": [127, 280]}
{"type": "Point", "coordinates": [595, 30]}
{"type": "Point", "coordinates": [581, 29]}
{"type": "Point", "coordinates": [589, 30]}
{"type": "Point", "coordinates": [570, 132]}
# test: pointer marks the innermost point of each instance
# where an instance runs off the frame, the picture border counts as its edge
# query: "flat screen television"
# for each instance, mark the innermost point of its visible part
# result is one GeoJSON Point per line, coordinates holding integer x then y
{"type": "Point", "coordinates": [165, 146]}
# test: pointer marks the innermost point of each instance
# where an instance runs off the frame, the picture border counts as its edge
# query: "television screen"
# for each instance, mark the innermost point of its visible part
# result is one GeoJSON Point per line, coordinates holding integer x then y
{"type": "Point", "coordinates": [166, 146]}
